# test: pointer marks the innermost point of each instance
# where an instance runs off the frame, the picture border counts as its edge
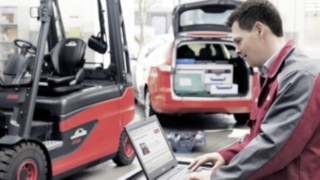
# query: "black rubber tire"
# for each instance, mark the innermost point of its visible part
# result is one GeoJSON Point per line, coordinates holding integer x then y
{"type": "Point", "coordinates": [241, 118]}
{"type": "Point", "coordinates": [124, 157]}
{"type": "Point", "coordinates": [21, 159]}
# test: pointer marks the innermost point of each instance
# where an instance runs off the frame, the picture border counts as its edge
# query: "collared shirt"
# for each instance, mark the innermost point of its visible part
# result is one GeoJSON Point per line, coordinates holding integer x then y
{"type": "Point", "coordinates": [267, 65]}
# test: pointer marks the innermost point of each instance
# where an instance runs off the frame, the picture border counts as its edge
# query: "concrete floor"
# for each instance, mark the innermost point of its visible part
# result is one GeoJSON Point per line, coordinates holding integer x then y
{"type": "Point", "coordinates": [220, 131]}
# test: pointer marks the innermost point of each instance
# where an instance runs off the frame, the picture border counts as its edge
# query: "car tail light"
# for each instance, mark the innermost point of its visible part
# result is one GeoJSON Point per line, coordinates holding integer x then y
{"type": "Point", "coordinates": [165, 68]}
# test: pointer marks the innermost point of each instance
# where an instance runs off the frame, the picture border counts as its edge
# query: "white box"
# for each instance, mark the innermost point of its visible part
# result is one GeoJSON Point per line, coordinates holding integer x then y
{"type": "Point", "coordinates": [213, 73]}
{"type": "Point", "coordinates": [218, 78]}
{"type": "Point", "coordinates": [209, 66]}
{"type": "Point", "coordinates": [224, 89]}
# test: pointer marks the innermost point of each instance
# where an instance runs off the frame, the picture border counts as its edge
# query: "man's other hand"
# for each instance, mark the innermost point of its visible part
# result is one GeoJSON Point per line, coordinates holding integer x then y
{"type": "Point", "coordinates": [215, 158]}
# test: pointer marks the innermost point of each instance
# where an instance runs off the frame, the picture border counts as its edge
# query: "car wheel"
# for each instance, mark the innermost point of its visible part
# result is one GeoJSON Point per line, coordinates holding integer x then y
{"type": "Point", "coordinates": [125, 153]}
{"type": "Point", "coordinates": [241, 118]}
{"type": "Point", "coordinates": [148, 110]}
{"type": "Point", "coordinates": [23, 161]}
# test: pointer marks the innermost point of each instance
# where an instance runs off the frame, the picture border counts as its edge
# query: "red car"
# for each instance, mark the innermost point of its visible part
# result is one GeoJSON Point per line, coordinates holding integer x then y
{"type": "Point", "coordinates": [196, 70]}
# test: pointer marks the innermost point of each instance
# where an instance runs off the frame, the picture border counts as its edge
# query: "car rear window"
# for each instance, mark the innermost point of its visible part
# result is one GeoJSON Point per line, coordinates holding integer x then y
{"type": "Point", "coordinates": [201, 17]}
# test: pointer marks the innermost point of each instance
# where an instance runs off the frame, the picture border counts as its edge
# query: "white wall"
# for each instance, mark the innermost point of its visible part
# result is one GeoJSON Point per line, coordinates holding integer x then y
{"type": "Point", "coordinates": [19, 2]}
{"type": "Point", "coordinates": [292, 13]}
{"type": "Point", "coordinates": [294, 18]}
{"type": "Point", "coordinates": [75, 13]}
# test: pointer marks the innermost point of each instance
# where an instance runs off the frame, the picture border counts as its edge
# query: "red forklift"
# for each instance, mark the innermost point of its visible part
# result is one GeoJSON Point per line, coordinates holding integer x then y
{"type": "Point", "coordinates": [57, 116]}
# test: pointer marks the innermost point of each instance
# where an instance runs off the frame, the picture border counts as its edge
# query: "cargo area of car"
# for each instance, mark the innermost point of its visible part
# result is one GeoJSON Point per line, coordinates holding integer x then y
{"type": "Point", "coordinates": [209, 69]}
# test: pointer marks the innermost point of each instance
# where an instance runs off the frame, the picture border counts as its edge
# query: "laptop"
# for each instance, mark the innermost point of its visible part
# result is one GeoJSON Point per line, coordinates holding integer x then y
{"type": "Point", "coordinates": [153, 151]}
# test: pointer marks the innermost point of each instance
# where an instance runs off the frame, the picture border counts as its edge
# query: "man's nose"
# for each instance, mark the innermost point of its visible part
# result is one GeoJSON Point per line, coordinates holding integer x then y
{"type": "Point", "coordinates": [238, 51]}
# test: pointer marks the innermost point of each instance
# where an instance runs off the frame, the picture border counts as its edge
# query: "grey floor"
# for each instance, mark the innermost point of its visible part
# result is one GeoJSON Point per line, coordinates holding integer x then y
{"type": "Point", "coordinates": [220, 130]}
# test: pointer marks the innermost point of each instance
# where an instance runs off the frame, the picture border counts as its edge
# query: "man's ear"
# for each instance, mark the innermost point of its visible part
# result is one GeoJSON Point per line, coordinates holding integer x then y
{"type": "Point", "coordinates": [260, 28]}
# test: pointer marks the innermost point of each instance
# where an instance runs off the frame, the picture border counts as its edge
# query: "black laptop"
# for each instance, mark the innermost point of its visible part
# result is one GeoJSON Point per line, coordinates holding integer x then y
{"type": "Point", "coordinates": [153, 151]}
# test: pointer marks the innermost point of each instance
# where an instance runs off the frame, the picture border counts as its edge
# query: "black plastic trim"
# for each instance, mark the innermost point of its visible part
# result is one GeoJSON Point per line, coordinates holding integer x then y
{"type": "Point", "coordinates": [77, 100]}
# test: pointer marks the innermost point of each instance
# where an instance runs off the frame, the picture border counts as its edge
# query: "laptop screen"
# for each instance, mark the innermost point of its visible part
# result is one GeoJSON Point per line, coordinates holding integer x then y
{"type": "Point", "coordinates": [151, 147]}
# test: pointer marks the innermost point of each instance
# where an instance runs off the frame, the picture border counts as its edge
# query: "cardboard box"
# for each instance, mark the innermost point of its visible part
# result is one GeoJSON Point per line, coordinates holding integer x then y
{"type": "Point", "coordinates": [227, 89]}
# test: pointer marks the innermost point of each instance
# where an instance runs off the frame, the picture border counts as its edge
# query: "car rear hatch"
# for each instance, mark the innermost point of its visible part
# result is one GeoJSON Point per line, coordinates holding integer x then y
{"type": "Point", "coordinates": [202, 16]}
{"type": "Point", "coordinates": [205, 64]}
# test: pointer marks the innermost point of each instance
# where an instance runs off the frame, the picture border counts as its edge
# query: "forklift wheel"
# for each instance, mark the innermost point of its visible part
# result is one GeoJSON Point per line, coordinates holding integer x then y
{"type": "Point", "coordinates": [23, 161]}
{"type": "Point", "coordinates": [125, 153]}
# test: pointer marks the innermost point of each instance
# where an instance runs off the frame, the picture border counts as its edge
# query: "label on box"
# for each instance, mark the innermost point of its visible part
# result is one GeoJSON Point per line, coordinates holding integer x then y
{"type": "Point", "coordinates": [185, 82]}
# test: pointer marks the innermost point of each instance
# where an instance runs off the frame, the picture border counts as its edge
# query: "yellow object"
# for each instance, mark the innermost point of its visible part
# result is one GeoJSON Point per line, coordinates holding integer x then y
{"type": "Point", "coordinates": [74, 31]}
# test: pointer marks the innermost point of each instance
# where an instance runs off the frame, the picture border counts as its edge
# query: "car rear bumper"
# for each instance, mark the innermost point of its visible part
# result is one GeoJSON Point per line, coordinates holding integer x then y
{"type": "Point", "coordinates": [164, 103]}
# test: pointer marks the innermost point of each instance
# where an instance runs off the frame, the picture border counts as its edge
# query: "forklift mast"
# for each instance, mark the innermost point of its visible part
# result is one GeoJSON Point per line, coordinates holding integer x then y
{"type": "Point", "coordinates": [53, 32]}
{"type": "Point", "coordinates": [25, 120]}
{"type": "Point", "coordinates": [118, 51]}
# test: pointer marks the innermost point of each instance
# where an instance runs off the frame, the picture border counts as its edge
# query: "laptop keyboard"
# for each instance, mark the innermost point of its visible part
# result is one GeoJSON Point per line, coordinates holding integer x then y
{"type": "Point", "coordinates": [177, 173]}
{"type": "Point", "coordinates": [180, 172]}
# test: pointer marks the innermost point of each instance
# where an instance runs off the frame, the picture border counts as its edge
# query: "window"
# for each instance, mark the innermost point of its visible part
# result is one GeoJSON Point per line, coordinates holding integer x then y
{"type": "Point", "coordinates": [198, 16]}
{"type": "Point", "coordinates": [152, 45]}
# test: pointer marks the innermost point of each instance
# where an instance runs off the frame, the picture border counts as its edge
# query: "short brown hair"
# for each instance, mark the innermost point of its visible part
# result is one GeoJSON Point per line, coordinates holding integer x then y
{"type": "Point", "coordinates": [251, 11]}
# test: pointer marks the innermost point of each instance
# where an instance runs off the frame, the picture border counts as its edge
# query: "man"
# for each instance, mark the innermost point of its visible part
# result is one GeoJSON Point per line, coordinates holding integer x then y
{"type": "Point", "coordinates": [284, 138]}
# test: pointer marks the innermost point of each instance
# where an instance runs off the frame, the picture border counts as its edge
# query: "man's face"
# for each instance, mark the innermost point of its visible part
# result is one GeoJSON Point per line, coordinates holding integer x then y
{"type": "Point", "coordinates": [249, 45]}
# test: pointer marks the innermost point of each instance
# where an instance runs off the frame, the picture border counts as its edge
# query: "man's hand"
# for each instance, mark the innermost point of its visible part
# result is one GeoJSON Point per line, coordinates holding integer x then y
{"type": "Point", "coordinates": [215, 158]}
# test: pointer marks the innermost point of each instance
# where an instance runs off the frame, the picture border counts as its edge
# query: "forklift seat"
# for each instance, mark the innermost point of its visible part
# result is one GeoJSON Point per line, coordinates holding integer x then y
{"type": "Point", "coordinates": [67, 61]}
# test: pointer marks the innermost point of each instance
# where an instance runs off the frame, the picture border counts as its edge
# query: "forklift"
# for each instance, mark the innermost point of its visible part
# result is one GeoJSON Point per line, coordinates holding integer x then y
{"type": "Point", "coordinates": [57, 115]}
